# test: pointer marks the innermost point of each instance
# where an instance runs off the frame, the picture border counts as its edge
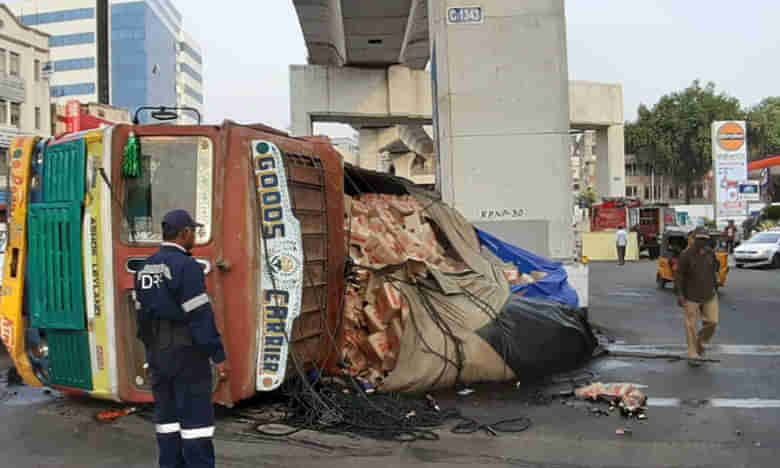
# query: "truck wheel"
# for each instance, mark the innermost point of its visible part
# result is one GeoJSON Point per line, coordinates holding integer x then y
{"type": "Point", "coordinates": [776, 261]}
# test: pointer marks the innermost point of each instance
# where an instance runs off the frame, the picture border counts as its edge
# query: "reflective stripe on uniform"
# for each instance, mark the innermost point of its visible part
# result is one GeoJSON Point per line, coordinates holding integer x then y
{"type": "Point", "coordinates": [169, 428]}
{"type": "Point", "coordinates": [199, 433]}
{"type": "Point", "coordinates": [195, 302]}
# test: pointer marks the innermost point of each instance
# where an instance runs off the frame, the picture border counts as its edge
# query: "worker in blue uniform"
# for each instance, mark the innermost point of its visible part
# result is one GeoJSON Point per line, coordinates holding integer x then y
{"type": "Point", "coordinates": [176, 325]}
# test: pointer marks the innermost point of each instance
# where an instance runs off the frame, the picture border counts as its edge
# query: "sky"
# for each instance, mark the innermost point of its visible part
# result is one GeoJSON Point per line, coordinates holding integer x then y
{"type": "Point", "coordinates": [651, 47]}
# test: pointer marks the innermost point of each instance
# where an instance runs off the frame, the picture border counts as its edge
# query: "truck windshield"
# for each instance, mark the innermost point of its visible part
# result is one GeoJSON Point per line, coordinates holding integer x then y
{"type": "Point", "coordinates": [176, 173]}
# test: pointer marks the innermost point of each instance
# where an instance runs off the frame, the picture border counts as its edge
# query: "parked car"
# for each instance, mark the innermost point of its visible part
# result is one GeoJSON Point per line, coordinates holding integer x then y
{"type": "Point", "coordinates": [762, 249]}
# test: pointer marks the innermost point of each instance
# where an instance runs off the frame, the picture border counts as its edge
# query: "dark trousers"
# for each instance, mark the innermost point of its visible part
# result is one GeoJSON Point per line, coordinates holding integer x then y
{"type": "Point", "coordinates": [184, 420]}
{"type": "Point", "coordinates": [621, 251]}
{"type": "Point", "coordinates": [730, 245]}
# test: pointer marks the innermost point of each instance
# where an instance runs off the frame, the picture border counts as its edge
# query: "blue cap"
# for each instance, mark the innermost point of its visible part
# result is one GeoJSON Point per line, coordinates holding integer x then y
{"type": "Point", "coordinates": [177, 220]}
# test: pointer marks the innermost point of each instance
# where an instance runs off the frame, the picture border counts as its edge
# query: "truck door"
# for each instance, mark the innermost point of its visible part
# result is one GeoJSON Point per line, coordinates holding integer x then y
{"type": "Point", "coordinates": [177, 171]}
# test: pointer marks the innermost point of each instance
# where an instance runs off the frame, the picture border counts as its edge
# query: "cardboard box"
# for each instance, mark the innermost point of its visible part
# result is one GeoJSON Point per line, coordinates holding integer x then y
{"type": "Point", "coordinates": [347, 206]}
{"type": "Point", "coordinates": [381, 344]}
{"type": "Point", "coordinates": [358, 233]}
{"type": "Point", "coordinates": [413, 222]}
{"type": "Point", "coordinates": [538, 275]}
{"type": "Point", "coordinates": [358, 208]}
{"type": "Point", "coordinates": [374, 321]}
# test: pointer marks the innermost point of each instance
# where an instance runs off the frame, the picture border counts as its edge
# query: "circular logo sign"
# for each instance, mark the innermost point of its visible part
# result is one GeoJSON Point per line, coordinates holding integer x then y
{"type": "Point", "coordinates": [284, 265]}
{"type": "Point", "coordinates": [731, 136]}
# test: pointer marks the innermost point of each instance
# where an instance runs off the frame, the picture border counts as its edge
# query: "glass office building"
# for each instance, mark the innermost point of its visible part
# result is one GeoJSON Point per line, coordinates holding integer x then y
{"type": "Point", "coordinates": [126, 53]}
{"type": "Point", "coordinates": [143, 57]}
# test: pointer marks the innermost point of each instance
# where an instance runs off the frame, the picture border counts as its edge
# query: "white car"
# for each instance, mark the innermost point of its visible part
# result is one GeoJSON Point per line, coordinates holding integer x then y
{"type": "Point", "coordinates": [762, 249]}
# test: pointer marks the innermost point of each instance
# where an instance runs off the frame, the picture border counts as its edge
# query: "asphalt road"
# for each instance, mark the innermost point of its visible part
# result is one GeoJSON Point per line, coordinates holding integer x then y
{"type": "Point", "coordinates": [723, 414]}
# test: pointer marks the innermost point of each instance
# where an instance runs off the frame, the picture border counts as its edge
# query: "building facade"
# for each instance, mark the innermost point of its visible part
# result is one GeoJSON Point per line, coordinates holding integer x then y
{"type": "Point", "coordinates": [24, 90]}
{"type": "Point", "coordinates": [189, 79]}
{"type": "Point", "coordinates": [79, 46]}
{"type": "Point", "coordinates": [642, 184]}
{"type": "Point", "coordinates": [125, 53]}
{"type": "Point", "coordinates": [583, 161]}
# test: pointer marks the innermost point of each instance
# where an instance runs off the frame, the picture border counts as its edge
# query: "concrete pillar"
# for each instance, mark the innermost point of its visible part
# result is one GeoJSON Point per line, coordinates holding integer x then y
{"type": "Point", "coordinates": [610, 162]}
{"type": "Point", "coordinates": [369, 148]}
{"type": "Point", "coordinates": [502, 101]}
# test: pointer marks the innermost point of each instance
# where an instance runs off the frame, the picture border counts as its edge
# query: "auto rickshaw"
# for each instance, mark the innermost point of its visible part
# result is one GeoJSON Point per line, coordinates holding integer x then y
{"type": "Point", "coordinates": [675, 241]}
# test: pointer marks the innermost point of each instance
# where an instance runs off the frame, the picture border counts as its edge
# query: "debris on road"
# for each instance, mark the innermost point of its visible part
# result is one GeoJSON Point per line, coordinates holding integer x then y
{"type": "Point", "coordinates": [113, 415]}
{"type": "Point", "coordinates": [628, 397]}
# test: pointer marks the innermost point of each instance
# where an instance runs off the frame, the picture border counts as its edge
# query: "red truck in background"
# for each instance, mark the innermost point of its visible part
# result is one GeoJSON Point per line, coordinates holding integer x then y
{"type": "Point", "coordinates": [648, 221]}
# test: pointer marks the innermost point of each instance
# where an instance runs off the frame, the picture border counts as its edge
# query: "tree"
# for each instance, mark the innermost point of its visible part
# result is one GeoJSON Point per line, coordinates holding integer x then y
{"type": "Point", "coordinates": [764, 129]}
{"type": "Point", "coordinates": [674, 137]}
{"type": "Point", "coordinates": [587, 198]}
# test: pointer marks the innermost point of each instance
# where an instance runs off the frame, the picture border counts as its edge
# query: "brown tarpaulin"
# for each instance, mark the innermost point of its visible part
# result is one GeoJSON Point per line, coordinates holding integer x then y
{"type": "Point", "coordinates": [440, 333]}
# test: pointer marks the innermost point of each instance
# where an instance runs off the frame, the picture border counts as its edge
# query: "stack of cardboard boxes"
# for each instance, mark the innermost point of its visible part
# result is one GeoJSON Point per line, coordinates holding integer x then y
{"type": "Point", "coordinates": [390, 242]}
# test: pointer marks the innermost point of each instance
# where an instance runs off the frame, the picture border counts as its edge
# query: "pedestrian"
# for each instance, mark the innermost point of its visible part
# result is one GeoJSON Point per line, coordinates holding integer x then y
{"type": "Point", "coordinates": [176, 325]}
{"type": "Point", "coordinates": [621, 238]}
{"type": "Point", "coordinates": [696, 283]}
{"type": "Point", "coordinates": [731, 235]}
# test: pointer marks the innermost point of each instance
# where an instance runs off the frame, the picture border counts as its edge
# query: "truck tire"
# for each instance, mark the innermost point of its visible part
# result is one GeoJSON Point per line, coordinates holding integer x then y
{"type": "Point", "coordinates": [776, 261]}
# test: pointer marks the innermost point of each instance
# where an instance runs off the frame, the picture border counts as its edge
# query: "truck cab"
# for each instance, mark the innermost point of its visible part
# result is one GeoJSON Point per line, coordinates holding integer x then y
{"type": "Point", "coordinates": [81, 224]}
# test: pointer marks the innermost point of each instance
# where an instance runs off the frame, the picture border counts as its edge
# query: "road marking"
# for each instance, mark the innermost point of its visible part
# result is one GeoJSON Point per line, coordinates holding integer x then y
{"type": "Point", "coordinates": [735, 350]}
{"type": "Point", "coordinates": [748, 403]}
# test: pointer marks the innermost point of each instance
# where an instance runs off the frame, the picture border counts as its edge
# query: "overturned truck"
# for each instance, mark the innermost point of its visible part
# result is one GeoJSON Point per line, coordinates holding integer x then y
{"type": "Point", "coordinates": [313, 267]}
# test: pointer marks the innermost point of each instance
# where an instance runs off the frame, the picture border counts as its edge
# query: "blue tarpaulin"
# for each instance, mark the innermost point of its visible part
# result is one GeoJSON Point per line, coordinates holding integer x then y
{"type": "Point", "coordinates": [555, 286]}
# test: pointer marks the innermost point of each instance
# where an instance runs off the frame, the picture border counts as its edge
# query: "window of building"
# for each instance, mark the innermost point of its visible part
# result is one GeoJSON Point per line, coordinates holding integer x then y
{"type": "Point", "coordinates": [3, 112]}
{"type": "Point", "coordinates": [2, 62]}
{"type": "Point", "coordinates": [37, 118]}
{"type": "Point", "coordinates": [14, 64]}
{"type": "Point", "coordinates": [657, 192]}
{"type": "Point", "coordinates": [72, 39]}
{"type": "Point", "coordinates": [191, 71]}
{"type": "Point", "coordinates": [193, 94]}
{"type": "Point", "coordinates": [57, 16]}
{"type": "Point", "coordinates": [632, 191]}
{"type": "Point", "coordinates": [37, 69]}
{"type": "Point", "coordinates": [74, 64]}
{"type": "Point", "coordinates": [673, 192]}
{"type": "Point", "coordinates": [698, 191]}
{"type": "Point", "coordinates": [193, 53]}
{"type": "Point", "coordinates": [647, 192]}
{"type": "Point", "coordinates": [73, 90]}
{"type": "Point", "coordinates": [16, 114]}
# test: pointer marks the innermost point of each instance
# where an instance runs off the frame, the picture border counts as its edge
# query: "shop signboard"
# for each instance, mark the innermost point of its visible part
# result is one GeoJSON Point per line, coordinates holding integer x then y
{"type": "Point", "coordinates": [729, 153]}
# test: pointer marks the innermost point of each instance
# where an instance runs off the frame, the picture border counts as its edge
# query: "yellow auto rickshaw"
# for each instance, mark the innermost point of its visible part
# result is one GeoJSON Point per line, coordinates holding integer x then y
{"type": "Point", "coordinates": [675, 240]}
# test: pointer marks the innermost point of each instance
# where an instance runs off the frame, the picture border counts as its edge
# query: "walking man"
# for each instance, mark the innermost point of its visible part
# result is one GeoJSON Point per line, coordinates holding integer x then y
{"type": "Point", "coordinates": [621, 238]}
{"type": "Point", "coordinates": [731, 235]}
{"type": "Point", "coordinates": [176, 325]}
{"type": "Point", "coordinates": [696, 282]}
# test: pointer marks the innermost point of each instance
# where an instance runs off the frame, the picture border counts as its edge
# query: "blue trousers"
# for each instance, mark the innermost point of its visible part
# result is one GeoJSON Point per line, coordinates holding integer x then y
{"type": "Point", "coordinates": [184, 420]}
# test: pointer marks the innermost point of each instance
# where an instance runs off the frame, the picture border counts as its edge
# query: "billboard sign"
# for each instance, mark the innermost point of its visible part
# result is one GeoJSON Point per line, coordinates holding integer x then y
{"type": "Point", "coordinates": [729, 153]}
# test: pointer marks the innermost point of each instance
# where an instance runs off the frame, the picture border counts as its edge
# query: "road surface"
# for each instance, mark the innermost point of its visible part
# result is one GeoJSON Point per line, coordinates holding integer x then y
{"type": "Point", "coordinates": [719, 415]}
